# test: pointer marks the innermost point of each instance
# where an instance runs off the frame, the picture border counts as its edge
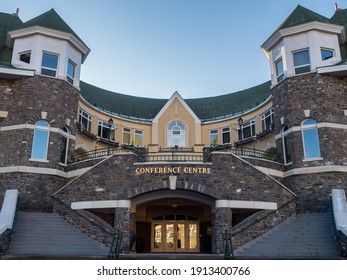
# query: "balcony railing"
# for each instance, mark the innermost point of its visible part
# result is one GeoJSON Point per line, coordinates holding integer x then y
{"type": "Point", "coordinates": [175, 155]}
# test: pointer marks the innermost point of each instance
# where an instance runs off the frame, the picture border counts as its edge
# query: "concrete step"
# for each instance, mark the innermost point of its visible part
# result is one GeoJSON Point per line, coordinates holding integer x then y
{"type": "Point", "coordinates": [300, 236]}
{"type": "Point", "coordinates": [47, 234]}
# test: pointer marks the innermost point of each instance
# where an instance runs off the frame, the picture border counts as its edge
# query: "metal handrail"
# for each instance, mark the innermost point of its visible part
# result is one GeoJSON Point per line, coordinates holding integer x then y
{"type": "Point", "coordinates": [115, 245]}
{"type": "Point", "coordinates": [181, 155]}
{"type": "Point", "coordinates": [228, 246]}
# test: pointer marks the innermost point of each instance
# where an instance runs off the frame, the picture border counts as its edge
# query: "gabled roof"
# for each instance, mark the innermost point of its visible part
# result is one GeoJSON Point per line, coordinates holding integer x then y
{"type": "Point", "coordinates": [302, 15]}
{"type": "Point", "coordinates": [206, 109]}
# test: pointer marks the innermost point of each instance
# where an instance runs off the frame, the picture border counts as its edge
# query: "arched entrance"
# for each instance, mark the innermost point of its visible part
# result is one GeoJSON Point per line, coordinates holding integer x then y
{"type": "Point", "coordinates": [172, 222]}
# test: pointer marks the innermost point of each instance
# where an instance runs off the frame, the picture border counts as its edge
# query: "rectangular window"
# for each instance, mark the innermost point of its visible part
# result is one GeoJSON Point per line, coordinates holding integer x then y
{"type": "Point", "coordinates": [226, 135]}
{"type": "Point", "coordinates": [104, 130]}
{"type": "Point", "coordinates": [279, 70]}
{"type": "Point", "coordinates": [85, 120]}
{"type": "Point", "coordinates": [267, 120]}
{"type": "Point", "coordinates": [138, 137]}
{"type": "Point", "coordinates": [126, 135]}
{"type": "Point", "coordinates": [25, 57]}
{"type": "Point", "coordinates": [248, 130]}
{"type": "Point", "coordinates": [70, 76]}
{"type": "Point", "coordinates": [301, 62]}
{"type": "Point", "coordinates": [214, 137]}
{"type": "Point", "coordinates": [326, 54]}
{"type": "Point", "coordinates": [49, 64]}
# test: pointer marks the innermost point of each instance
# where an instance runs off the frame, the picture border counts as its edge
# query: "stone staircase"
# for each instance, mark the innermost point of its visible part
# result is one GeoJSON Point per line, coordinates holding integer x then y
{"type": "Point", "coordinates": [307, 236]}
{"type": "Point", "coordinates": [47, 235]}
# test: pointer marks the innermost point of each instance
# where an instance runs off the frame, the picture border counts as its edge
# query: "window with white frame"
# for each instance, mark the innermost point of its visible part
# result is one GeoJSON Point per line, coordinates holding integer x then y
{"type": "Point", "coordinates": [138, 137]}
{"type": "Point", "coordinates": [105, 132]}
{"type": "Point", "coordinates": [226, 135]}
{"type": "Point", "coordinates": [40, 141]}
{"type": "Point", "coordinates": [214, 137]}
{"type": "Point", "coordinates": [267, 120]}
{"type": "Point", "coordinates": [49, 64]}
{"type": "Point", "coordinates": [126, 135]}
{"type": "Point", "coordinates": [248, 129]}
{"type": "Point", "coordinates": [286, 148]}
{"type": "Point", "coordinates": [279, 70]}
{"type": "Point", "coordinates": [85, 120]}
{"type": "Point", "coordinates": [176, 134]}
{"type": "Point", "coordinates": [326, 53]}
{"type": "Point", "coordinates": [310, 139]}
{"type": "Point", "coordinates": [70, 74]}
{"type": "Point", "coordinates": [25, 57]}
{"type": "Point", "coordinates": [301, 61]}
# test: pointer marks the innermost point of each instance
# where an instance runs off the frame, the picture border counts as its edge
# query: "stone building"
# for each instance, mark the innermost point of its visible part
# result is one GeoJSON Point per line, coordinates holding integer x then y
{"type": "Point", "coordinates": [176, 173]}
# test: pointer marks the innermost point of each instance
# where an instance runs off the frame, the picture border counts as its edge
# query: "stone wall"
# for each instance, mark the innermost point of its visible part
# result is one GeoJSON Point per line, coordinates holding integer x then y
{"type": "Point", "coordinates": [115, 178]}
{"type": "Point", "coordinates": [34, 190]}
{"type": "Point", "coordinates": [25, 99]}
{"type": "Point", "coordinates": [325, 97]}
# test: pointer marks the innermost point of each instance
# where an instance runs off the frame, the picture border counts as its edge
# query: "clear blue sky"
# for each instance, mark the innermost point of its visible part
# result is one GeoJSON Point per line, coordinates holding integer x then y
{"type": "Point", "coordinates": [152, 48]}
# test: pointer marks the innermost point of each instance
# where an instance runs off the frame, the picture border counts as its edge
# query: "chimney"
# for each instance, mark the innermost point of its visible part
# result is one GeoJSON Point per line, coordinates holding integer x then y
{"type": "Point", "coordinates": [16, 13]}
{"type": "Point", "coordinates": [337, 9]}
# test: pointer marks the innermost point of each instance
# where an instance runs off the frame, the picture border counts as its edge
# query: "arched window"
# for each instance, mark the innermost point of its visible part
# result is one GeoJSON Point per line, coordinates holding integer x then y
{"type": "Point", "coordinates": [310, 139]}
{"type": "Point", "coordinates": [176, 134]}
{"type": "Point", "coordinates": [286, 149]}
{"type": "Point", "coordinates": [40, 142]}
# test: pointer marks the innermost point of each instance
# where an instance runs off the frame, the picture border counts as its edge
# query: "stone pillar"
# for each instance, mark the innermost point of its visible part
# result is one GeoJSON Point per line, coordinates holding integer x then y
{"type": "Point", "coordinates": [221, 223]}
{"type": "Point", "coordinates": [122, 223]}
{"type": "Point", "coordinates": [132, 232]}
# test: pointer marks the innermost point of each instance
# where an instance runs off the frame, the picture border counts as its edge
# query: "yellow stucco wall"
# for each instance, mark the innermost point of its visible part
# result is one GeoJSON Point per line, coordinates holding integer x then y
{"type": "Point", "coordinates": [175, 110]}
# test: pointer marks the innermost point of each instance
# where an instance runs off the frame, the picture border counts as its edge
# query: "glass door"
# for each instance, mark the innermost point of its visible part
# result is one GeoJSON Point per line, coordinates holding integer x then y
{"type": "Point", "coordinates": [175, 236]}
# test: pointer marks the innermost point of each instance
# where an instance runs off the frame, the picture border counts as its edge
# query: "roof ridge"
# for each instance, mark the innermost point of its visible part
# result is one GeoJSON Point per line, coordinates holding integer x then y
{"type": "Point", "coordinates": [302, 15]}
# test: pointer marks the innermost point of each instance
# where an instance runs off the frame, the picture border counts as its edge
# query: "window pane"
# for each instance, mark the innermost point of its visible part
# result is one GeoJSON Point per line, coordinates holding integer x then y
{"type": "Point", "coordinates": [301, 58]}
{"type": "Point", "coordinates": [138, 138]}
{"type": "Point", "coordinates": [176, 134]}
{"type": "Point", "coordinates": [214, 137]}
{"type": "Point", "coordinates": [40, 142]}
{"type": "Point", "coordinates": [25, 57]}
{"type": "Point", "coordinates": [326, 54]}
{"type": "Point", "coordinates": [226, 136]}
{"type": "Point", "coordinates": [49, 60]}
{"type": "Point", "coordinates": [303, 69]}
{"type": "Point", "coordinates": [48, 72]}
{"type": "Point", "coordinates": [311, 143]}
{"type": "Point", "coordinates": [279, 70]}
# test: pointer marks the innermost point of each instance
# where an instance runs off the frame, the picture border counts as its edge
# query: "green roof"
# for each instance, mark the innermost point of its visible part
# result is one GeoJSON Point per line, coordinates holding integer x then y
{"type": "Point", "coordinates": [302, 15]}
{"type": "Point", "coordinates": [51, 20]}
{"type": "Point", "coordinates": [206, 109]}
{"type": "Point", "coordinates": [7, 22]}
{"type": "Point", "coordinates": [340, 17]}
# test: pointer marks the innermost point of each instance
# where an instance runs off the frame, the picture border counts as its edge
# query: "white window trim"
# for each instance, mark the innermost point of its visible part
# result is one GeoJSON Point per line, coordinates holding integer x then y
{"type": "Point", "coordinates": [302, 65]}
{"type": "Point", "coordinates": [41, 128]}
{"type": "Point", "coordinates": [214, 134]}
{"type": "Point", "coordinates": [88, 117]}
{"type": "Point", "coordinates": [52, 69]}
{"type": "Point", "coordinates": [74, 73]}
{"type": "Point", "coordinates": [308, 127]}
{"type": "Point", "coordinates": [128, 132]}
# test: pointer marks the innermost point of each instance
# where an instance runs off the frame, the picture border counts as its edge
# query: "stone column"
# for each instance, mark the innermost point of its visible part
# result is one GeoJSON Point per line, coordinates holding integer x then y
{"type": "Point", "coordinates": [122, 223]}
{"type": "Point", "coordinates": [221, 223]}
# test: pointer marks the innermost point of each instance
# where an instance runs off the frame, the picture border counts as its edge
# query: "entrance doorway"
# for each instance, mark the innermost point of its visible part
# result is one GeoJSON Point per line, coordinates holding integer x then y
{"type": "Point", "coordinates": [178, 235]}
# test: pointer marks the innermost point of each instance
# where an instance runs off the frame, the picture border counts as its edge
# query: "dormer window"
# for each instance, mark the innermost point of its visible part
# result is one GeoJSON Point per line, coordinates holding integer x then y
{"type": "Point", "coordinates": [49, 64]}
{"type": "Point", "coordinates": [279, 70]}
{"type": "Point", "coordinates": [301, 61]}
{"type": "Point", "coordinates": [25, 57]}
{"type": "Point", "coordinates": [326, 54]}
